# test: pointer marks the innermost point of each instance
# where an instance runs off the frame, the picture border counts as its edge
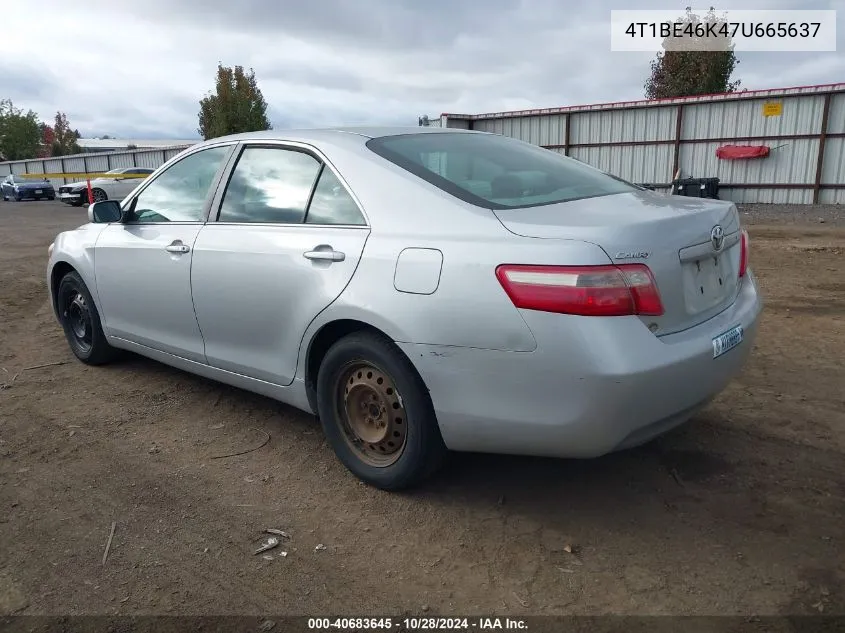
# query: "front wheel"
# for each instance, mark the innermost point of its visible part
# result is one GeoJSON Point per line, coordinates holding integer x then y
{"type": "Point", "coordinates": [81, 321]}
{"type": "Point", "coordinates": [377, 414]}
{"type": "Point", "coordinates": [99, 195]}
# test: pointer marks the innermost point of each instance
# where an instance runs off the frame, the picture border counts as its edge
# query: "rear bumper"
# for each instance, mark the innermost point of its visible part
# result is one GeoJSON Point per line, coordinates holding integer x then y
{"type": "Point", "coordinates": [592, 386]}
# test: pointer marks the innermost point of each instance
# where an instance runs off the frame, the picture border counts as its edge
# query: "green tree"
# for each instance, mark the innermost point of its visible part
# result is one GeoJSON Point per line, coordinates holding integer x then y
{"type": "Point", "coordinates": [20, 132]}
{"type": "Point", "coordinates": [64, 138]}
{"type": "Point", "coordinates": [235, 106]}
{"type": "Point", "coordinates": [701, 62]}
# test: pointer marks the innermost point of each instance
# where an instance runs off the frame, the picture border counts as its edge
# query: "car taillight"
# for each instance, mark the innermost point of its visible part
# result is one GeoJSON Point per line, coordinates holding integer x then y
{"type": "Point", "coordinates": [584, 290]}
{"type": "Point", "coordinates": [743, 253]}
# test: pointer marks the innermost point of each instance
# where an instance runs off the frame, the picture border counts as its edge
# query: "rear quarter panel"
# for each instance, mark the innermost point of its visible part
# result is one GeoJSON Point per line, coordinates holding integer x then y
{"type": "Point", "coordinates": [469, 308]}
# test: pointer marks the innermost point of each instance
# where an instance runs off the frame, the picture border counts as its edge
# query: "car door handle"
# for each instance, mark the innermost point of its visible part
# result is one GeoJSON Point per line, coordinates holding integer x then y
{"type": "Point", "coordinates": [177, 247]}
{"type": "Point", "coordinates": [328, 255]}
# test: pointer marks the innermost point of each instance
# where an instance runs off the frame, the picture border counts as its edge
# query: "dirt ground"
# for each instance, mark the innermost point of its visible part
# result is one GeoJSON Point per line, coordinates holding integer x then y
{"type": "Point", "coordinates": [741, 511]}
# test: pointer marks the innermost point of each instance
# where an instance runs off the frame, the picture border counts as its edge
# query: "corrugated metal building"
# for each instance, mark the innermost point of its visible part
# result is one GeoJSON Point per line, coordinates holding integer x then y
{"type": "Point", "coordinates": [648, 141]}
{"type": "Point", "coordinates": [90, 163]}
{"type": "Point", "coordinates": [90, 145]}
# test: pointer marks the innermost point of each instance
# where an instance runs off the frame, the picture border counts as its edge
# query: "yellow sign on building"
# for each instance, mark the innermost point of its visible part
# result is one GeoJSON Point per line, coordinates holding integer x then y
{"type": "Point", "coordinates": [773, 108]}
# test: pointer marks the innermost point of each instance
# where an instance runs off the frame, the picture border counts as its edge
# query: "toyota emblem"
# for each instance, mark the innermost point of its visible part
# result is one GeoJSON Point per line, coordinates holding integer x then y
{"type": "Point", "coordinates": [717, 237]}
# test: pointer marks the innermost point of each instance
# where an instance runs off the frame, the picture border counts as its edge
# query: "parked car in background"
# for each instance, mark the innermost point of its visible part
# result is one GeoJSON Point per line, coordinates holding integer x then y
{"type": "Point", "coordinates": [115, 187]}
{"type": "Point", "coordinates": [419, 291]}
{"type": "Point", "coordinates": [17, 187]}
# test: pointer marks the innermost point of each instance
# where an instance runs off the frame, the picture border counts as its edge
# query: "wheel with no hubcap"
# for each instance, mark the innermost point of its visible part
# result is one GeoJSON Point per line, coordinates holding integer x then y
{"type": "Point", "coordinates": [81, 321]}
{"type": "Point", "coordinates": [376, 412]}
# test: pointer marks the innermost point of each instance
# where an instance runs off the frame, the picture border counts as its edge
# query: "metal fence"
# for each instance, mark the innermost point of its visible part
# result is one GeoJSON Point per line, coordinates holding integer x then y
{"type": "Point", "coordinates": [649, 141]}
{"type": "Point", "coordinates": [82, 164]}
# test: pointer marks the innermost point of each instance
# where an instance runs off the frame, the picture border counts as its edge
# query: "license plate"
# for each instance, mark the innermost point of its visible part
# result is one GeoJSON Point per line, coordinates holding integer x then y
{"type": "Point", "coordinates": [708, 282]}
{"type": "Point", "coordinates": [727, 341]}
{"type": "Point", "coordinates": [38, 192]}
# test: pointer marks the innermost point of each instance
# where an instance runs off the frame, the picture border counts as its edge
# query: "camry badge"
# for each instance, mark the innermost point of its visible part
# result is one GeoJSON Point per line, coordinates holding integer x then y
{"type": "Point", "coordinates": [632, 255]}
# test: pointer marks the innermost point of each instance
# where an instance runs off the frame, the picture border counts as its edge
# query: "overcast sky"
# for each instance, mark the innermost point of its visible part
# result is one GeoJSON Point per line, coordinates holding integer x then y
{"type": "Point", "coordinates": [137, 69]}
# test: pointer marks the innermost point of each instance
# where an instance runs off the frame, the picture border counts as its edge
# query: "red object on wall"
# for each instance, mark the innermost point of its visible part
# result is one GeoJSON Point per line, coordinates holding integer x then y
{"type": "Point", "coordinates": [734, 152]}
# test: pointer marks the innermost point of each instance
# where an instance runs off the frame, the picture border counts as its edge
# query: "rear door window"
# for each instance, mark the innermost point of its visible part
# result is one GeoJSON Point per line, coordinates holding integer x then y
{"type": "Point", "coordinates": [332, 204]}
{"type": "Point", "coordinates": [270, 185]}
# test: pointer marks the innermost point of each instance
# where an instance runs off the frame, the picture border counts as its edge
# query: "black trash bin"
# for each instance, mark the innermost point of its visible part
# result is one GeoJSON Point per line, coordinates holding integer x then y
{"type": "Point", "coordinates": [697, 187]}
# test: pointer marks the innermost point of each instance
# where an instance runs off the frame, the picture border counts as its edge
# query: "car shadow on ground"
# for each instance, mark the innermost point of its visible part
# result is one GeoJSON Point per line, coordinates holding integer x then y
{"type": "Point", "coordinates": [680, 464]}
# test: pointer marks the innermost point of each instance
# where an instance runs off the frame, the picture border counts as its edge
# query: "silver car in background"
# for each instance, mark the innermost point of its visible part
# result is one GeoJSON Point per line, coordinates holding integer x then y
{"type": "Point", "coordinates": [419, 290]}
{"type": "Point", "coordinates": [114, 184]}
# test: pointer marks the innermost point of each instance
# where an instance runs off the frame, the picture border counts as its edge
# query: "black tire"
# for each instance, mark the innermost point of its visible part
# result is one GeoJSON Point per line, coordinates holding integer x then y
{"type": "Point", "coordinates": [81, 321]}
{"type": "Point", "coordinates": [422, 449]}
{"type": "Point", "coordinates": [99, 195]}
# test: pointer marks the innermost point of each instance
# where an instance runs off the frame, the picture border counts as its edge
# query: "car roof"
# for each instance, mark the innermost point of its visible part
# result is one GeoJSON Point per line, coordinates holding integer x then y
{"type": "Point", "coordinates": [358, 135]}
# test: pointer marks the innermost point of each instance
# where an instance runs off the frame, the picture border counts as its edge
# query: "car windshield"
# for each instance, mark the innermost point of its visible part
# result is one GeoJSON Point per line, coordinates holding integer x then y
{"type": "Point", "coordinates": [119, 170]}
{"type": "Point", "coordinates": [495, 171]}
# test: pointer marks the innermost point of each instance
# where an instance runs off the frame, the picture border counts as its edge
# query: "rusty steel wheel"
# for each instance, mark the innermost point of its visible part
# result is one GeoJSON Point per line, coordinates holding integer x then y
{"type": "Point", "coordinates": [377, 413]}
{"type": "Point", "coordinates": [372, 414]}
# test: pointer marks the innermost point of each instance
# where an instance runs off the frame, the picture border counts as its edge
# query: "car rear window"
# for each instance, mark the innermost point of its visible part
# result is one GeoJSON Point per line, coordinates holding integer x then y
{"type": "Point", "coordinates": [495, 171]}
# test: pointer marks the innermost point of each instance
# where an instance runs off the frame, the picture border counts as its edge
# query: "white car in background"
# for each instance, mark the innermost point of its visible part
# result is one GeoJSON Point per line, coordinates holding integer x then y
{"type": "Point", "coordinates": [119, 186]}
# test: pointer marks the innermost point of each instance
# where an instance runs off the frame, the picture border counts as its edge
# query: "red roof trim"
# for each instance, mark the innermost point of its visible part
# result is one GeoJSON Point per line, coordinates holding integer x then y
{"type": "Point", "coordinates": [748, 94]}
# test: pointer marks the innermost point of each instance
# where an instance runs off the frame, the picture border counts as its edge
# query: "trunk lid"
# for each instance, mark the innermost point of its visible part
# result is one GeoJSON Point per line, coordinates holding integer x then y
{"type": "Point", "coordinates": [672, 235]}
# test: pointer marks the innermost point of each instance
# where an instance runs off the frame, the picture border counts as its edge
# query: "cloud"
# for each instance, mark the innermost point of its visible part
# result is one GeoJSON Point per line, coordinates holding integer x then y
{"type": "Point", "coordinates": [138, 70]}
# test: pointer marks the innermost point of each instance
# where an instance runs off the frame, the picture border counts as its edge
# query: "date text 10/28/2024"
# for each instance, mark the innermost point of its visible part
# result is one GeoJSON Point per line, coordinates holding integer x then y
{"type": "Point", "coordinates": [417, 624]}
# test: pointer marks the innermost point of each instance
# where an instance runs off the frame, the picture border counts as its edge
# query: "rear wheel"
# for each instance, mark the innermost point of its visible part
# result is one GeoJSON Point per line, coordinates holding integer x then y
{"type": "Point", "coordinates": [81, 321]}
{"type": "Point", "coordinates": [377, 414]}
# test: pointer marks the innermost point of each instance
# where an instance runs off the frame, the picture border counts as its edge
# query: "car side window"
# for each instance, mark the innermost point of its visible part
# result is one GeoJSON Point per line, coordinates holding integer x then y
{"type": "Point", "coordinates": [178, 194]}
{"type": "Point", "coordinates": [332, 204]}
{"type": "Point", "coordinates": [269, 185]}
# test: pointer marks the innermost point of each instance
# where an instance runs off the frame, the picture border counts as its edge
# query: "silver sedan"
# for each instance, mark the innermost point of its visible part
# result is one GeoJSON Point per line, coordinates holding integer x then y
{"type": "Point", "coordinates": [419, 290]}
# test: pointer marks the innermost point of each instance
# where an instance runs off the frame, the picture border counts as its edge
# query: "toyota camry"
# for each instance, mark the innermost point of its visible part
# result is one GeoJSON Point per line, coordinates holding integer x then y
{"type": "Point", "coordinates": [419, 290]}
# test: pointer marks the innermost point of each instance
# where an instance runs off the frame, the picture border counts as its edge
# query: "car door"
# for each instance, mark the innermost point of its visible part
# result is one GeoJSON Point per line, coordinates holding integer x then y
{"type": "Point", "coordinates": [143, 264]}
{"type": "Point", "coordinates": [286, 242]}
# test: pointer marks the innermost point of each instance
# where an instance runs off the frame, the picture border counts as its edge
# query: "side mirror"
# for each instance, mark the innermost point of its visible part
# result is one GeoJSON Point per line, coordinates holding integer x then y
{"type": "Point", "coordinates": [105, 212]}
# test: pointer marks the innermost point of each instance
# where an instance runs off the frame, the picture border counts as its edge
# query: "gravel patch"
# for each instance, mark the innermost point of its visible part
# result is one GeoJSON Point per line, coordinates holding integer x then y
{"type": "Point", "coordinates": [830, 214]}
